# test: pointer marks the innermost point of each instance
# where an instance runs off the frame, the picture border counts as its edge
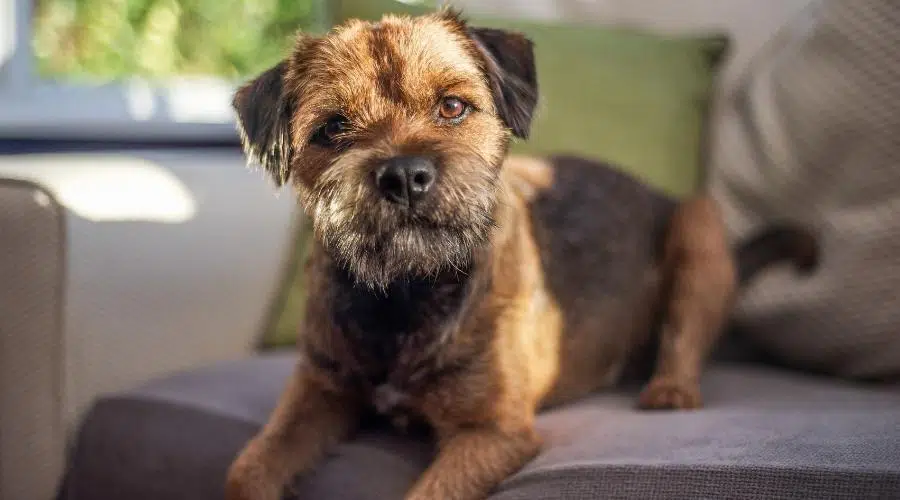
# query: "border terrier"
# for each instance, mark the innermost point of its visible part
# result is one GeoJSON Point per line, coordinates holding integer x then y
{"type": "Point", "coordinates": [456, 285]}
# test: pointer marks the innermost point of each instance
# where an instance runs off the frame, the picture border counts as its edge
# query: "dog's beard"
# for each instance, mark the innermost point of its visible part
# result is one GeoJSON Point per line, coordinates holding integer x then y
{"type": "Point", "coordinates": [380, 243]}
{"type": "Point", "coordinates": [406, 253]}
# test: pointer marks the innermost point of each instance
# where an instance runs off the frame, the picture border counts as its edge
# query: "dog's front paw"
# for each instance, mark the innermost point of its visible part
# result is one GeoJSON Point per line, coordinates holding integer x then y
{"type": "Point", "coordinates": [668, 394]}
{"type": "Point", "coordinates": [248, 480]}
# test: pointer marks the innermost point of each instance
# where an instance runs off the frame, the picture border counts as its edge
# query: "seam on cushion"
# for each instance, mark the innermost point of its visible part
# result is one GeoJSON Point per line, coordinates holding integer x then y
{"type": "Point", "coordinates": [150, 389]}
{"type": "Point", "coordinates": [686, 473]}
{"type": "Point", "coordinates": [718, 466]}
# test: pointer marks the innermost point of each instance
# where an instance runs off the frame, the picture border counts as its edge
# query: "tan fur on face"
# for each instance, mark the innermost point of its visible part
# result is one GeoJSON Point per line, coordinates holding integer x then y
{"type": "Point", "coordinates": [388, 79]}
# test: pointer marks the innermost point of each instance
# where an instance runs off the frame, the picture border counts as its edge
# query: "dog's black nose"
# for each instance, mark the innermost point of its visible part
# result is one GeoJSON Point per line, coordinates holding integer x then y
{"type": "Point", "coordinates": [405, 179]}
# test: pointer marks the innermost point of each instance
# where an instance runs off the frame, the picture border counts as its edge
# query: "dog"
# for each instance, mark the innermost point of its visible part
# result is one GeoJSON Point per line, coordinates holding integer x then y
{"type": "Point", "coordinates": [456, 285]}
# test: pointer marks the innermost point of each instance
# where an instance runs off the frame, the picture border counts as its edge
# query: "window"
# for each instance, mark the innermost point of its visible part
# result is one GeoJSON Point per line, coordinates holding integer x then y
{"type": "Point", "coordinates": [137, 69]}
{"type": "Point", "coordinates": [102, 40]}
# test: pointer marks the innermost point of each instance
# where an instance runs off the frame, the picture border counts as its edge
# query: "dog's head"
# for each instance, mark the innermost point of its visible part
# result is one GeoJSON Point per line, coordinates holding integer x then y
{"type": "Point", "coordinates": [394, 133]}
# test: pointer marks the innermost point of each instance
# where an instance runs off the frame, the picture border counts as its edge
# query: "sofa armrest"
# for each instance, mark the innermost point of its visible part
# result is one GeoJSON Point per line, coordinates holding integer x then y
{"type": "Point", "coordinates": [118, 267]}
{"type": "Point", "coordinates": [32, 266]}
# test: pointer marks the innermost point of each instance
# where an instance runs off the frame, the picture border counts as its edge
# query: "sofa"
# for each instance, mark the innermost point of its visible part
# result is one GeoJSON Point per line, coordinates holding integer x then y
{"type": "Point", "coordinates": [132, 361]}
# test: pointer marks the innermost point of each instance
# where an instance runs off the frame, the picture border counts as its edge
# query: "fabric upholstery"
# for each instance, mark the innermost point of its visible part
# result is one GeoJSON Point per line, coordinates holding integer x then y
{"type": "Point", "coordinates": [816, 141]}
{"type": "Point", "coordinates": [32, 250]}
{"type": "Point", "coordinates": [765, 434]}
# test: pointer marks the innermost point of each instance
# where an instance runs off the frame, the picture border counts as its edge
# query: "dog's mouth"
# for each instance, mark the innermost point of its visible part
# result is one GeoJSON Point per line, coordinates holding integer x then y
{"type": "Point", "coordinates": [410, 246]}
{"type": "Point", "coordinates": [418, 220]}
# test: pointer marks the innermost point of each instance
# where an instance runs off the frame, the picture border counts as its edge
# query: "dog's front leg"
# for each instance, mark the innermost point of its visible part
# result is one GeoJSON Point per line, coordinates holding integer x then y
{"type": "Point", "coordinates": [472, 461]}
{"type": "Point", "coordinates": [310, 417]}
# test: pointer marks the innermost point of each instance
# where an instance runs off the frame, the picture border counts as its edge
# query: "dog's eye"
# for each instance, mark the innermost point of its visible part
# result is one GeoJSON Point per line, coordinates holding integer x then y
{"type": "Point", "coordinates": [330, 132]}
{"type": "Point", "coordinates": [452, 108]}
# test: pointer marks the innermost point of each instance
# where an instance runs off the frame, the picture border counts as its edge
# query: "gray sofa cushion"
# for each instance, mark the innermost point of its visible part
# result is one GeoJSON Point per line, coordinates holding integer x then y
{"type": "Point", "coordinates": [765, 434]}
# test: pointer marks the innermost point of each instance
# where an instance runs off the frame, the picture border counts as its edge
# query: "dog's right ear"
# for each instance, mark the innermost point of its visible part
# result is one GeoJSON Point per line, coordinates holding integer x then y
{"type": "Point", "coordinates": [263, 118]}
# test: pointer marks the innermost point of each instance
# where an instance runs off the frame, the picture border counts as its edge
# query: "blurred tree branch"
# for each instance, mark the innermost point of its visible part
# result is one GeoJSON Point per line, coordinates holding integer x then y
{"type": "Point", "coordinates": [101, 40]}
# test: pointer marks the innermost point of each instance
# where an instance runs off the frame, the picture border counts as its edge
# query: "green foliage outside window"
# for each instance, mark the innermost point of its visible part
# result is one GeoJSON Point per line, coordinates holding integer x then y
{"type": "Point", "coordinates": [103, 40]}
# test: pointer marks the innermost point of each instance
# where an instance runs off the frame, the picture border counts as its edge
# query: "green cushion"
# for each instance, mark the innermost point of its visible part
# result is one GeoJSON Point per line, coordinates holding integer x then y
{"type": "Point", "coordinates": [634, 98]}
{"type": "Point", "coordinates": [287, 309]}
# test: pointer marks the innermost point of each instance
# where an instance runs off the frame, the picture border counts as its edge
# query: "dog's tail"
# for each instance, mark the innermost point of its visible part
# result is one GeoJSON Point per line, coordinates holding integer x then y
{"type": "Point", "coordinates": [776, 244]}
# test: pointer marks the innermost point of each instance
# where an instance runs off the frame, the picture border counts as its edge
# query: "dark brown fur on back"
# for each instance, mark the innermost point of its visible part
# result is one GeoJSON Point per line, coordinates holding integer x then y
{"type": "Point", "coordinates": [452, 285]}
{"type": "Point", "coordinates": [600, 234]}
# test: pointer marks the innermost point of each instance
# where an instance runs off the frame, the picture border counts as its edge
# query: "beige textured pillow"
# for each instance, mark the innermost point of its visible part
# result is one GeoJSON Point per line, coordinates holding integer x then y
{"type": "Point", "coordinates": [816, 138]}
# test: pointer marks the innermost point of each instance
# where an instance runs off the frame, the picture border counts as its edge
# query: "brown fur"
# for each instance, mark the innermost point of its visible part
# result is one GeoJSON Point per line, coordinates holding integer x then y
{"type": "Point", "coordinates": [521, 283]}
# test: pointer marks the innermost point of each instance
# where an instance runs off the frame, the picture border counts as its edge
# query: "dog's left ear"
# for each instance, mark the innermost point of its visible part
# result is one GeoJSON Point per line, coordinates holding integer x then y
{"type": "Point", "coordinates": [263, 116]}
{"type": "Point", "coordinates": [510, 68]}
